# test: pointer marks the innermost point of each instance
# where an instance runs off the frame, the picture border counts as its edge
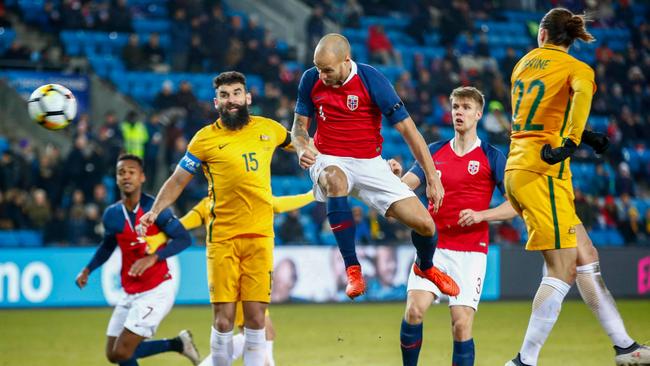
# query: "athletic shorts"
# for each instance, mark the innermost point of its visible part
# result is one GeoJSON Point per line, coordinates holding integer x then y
{"type": "Point", "coordinates": [466, 268]}
{"type": "Point", "coordinates": [142, 313]}
{"type": "Point", "coordinates": [546, 205]}
{"type": "Point", "coordinates": [370, 180]}
{"type": "Point", "coordinates": [240, 269]}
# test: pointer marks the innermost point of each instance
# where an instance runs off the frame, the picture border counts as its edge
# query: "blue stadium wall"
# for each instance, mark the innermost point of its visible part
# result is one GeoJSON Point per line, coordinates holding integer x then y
{"type": "Point", "coordinates": [44, 277]}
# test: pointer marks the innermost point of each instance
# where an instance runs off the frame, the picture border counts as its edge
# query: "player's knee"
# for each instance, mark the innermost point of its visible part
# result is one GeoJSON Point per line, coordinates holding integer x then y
{"type": "Point", "coordinates": [335, 183]}
{"type": "Point", "coordinates": [118, 355]}
{"type": "Point", "coordinates": [414, 315]}
{"type": "Point", "coordinates": [223, 325]}
{"type": "Point", "coordinates": [255, 321]}
{"type": "Point", "coordinates": [425, 226]}
{"type": "Point", "coordinates": [461, 328]}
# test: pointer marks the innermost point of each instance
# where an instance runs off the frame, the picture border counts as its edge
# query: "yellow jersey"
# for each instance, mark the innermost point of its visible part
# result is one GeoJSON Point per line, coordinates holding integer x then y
{"type": "Point", "coordinates": [200, 215]}
{"type": "Point", "coordinates": [237, 166]}
{"type": "Point", "coordinates": [545, 109]}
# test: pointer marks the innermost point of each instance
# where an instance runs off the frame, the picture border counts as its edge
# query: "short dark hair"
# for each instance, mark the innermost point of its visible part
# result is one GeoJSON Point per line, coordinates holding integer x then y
{"type": "Point", "coordinates": [468, 92]}
{"type": "Point", "coordinates": [133, 157]}
{"type": "Point", "coordinates": [229, 77]}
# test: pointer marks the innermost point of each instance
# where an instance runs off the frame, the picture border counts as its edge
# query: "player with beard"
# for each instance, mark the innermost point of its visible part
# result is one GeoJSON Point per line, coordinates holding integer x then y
{"type": "Point", "coordinates": [235, 155]}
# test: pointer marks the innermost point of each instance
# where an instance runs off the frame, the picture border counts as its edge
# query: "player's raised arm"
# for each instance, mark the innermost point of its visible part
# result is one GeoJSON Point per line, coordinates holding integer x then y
{"type": "Point", "coordinates": [415, 141]}
{"type": "Point", "coordinates": [168, 194]}
{"type": "Point", "coordinates": [504, 211]}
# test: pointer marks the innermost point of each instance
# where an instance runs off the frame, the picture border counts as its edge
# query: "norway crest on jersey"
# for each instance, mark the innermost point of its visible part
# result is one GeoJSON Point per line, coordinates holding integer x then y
{"type": "Point", "coordinates": [353, 102]}
{"type": "Point", "coordinates": [473, 167]}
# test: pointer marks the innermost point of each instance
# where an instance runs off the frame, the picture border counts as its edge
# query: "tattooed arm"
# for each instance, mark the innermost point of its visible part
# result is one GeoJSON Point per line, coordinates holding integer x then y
{"type": "Point", "coordinates": [300, 141]}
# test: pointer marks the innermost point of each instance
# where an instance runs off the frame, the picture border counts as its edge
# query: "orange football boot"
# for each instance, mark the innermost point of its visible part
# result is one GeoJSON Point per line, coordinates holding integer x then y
{"type": "Point", "coordinates": [445, 284]}
{"type": "Point", "coordinates": [356, 284]}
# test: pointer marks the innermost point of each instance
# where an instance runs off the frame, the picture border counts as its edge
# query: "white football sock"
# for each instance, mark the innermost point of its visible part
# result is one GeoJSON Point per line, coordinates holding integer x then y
{"type": "Point", "coordinates": [207, 361]}
{"type": "Point", "coordinates": [254, 347]}
{"type": "Point", "coordinates": [546, 308]}
{"type": "Point", "coordinates": [595, 294]}
{"type": "Point", "coordinates": [237, 345]}
{"type": "Point", "coordinates": [221, 347]}
{"type": "Point", "coordinates": [269, 354]}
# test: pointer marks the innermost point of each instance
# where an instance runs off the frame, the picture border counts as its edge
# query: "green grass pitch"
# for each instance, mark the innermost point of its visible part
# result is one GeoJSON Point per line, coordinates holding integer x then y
{"type": "Point", "coordinates": [348, 334]}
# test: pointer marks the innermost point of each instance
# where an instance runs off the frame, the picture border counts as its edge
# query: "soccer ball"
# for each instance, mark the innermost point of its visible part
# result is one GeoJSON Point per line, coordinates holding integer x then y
{"type": "Point", "coordinates": [52, 106]}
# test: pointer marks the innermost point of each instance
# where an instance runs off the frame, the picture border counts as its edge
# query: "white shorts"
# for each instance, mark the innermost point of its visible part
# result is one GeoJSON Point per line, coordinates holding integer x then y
{"type": "Point", "coordinates": [466, 268]}
{"type": "Point", "coordinates": [142, 313]}
{"type": "Point", "coordinates": [369, 180]}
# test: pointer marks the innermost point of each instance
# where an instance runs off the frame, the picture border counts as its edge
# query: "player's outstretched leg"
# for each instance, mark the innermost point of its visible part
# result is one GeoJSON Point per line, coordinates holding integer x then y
{"type": "Point", "coordinates": [423, 266]}
{"type": "Point", "coordinates": [343, 227]}
{"type": "Point", "coordinates": [596, 295]}
{"type": "Point", "coordinates": [189, 348]}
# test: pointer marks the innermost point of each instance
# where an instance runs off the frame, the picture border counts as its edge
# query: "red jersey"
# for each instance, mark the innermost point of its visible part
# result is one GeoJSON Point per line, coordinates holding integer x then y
{"type": "Point", "coordinates": [119, 226]}
{"type": "Point", "coordinates": [469, 182]}
{"type": "Point", "coordinates": [349, 117]}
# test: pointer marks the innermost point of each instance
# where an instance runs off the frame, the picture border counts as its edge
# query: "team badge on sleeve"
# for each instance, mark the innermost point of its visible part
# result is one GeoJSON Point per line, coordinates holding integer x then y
{"type": "Point", "coordinates": [473, 167]}
{"type": "Point", "coordinates": [353, 102]}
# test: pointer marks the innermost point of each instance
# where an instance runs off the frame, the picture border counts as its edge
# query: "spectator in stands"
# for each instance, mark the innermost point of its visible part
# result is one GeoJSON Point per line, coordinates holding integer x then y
{"type": "Point", "coordinates": [165, 98]}
{"type": "Point", "coordinates": [5, 221]}
{"type": "Point", "coordinates": [132, 54]}
{"type": "Point", "coordinates": [291, 230]}
{"type": "Point", "coordinates": [71, 17]}
{"type": "Point", "coordinates": [4, 21]}
{"type": "Point", "coordinates": [380, 47]}
{"type": "Point", "coordinates": [16, 199]}
{"type": "Point", "coordinates": [215, 27]}
{"type": "Point", "coordinates": [496, 124]}
{"type": "Point", "coordinates": [508, 63]}
{"type": "Point", "coordinates": [196, 54]}
{"type": "Point", "coordinates": [254, 30]}
{"type": "Point", "coordinates": [585, 209]}
{"type": "Point", "coordinates": [151, 149]}
{"type": "Point", "coordinates": [17, 52]}
{"type": "Point", "coordinates": [315, 29]}
{"type": "Point", "coordinates": [154, 55]}
{"type": "Point", "coordinates": [111, 141]}
{"type": "Point", "coordinates": [84, 166]}
{"type": "Point", "coordinates": [185, 96]}
{"type": "Point", "coordinates": [50, 174]}
{"type": "Point", "coordinates": [135, 134]}
{"type": "Point", "coordinates": [100, 197]}
{"type": "Point", "coordinates": [609, 213]}
{"type": "Point", "coordinates": [352, 13]}
{"type": "Point", "coordinates": [76, 233]}
{"type": "Point", "coordinates": [94, 227]}
{"type": "Point", "coordinates": [180, 35]}
{"type": "Point", "coordinates": [38, 209]}
{"type": "Point", "coordinates": [234, 54]}
{"type": "Point", "coordinates": [624, 182]}
{"type": "Point", "coordinates": [121, 19]}
{"type": "Point", "coordinates": [362, 232]}
{"type": "Point", "coordinates": [645, 226]}
{"type": "Point", "coordinates": [629, 218]}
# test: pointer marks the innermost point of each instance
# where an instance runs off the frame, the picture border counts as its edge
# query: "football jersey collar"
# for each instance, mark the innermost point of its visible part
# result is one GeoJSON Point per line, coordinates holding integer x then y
{"type": "Point", "coordinates": [477, 143]}
{"type": "Point", "coordinates": [352, 72]}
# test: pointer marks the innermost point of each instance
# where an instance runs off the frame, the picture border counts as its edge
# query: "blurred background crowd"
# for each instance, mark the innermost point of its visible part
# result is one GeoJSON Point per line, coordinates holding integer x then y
{"type": "Point", "coordinates": [163, 55]}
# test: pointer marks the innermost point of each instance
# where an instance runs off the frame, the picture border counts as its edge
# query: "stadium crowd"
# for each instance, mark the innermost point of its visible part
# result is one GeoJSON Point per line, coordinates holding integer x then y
{"type": "Point", "coordinates": [64, 196]}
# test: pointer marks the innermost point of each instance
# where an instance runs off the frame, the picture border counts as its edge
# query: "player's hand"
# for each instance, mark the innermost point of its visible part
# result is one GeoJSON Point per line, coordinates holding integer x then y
{"type": "Point", "coordinates": [598, 141]}
{"type": "Point", "coordinates": [142, 265]}
{"type": "Point", "coordinates": [469, 217]}
{"type": "Point", "coordinates": [82, 278]}
{"type": "Point", "coordinates": [395, 167]}
{"type": "Point", "coordinates": [558, 154]}
{"type": "Point", "coordinates": [146, 220]}
{"type": "Point", "coordinates": [307, 157]}
{"type": "Point", "coordinates": [435, 192]}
